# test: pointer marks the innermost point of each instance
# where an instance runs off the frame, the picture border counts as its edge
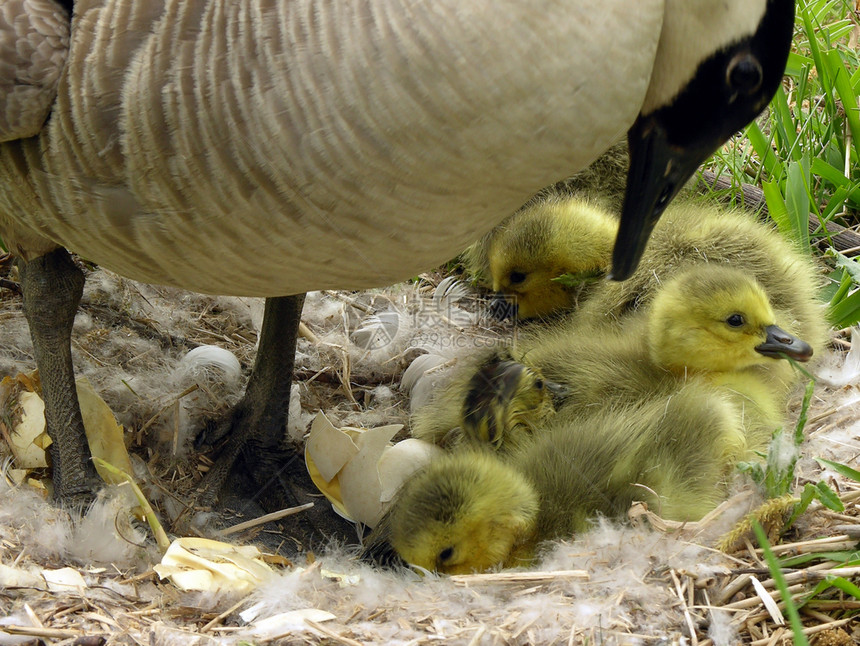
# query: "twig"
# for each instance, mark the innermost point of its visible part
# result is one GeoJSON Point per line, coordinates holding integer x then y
{"type": "Point", "coordinates": [261, 520]}
{"type": "Point", "coordinates": [164, 408]}
{"type": "Point", "coordinates": [811, 546]}
{"type": "Point", "coordinates": [223, 615]}
{"type": "Point", "coordinates": [349, 301]}
{"type": "Point", "coordinates": [752, 602]}
{"type": "Point", "coordinates": [690, 625]}
{"type": "Point", "coordinates": [732, 588]}
{"type": "Point", "coordinates": [332, 634]}
{"type": "Point", "coordinates": [306, 333]}
{"type": "Point", "coordinates": [50, 633]}
{"type": "Point", "coordinates": [519, 577]}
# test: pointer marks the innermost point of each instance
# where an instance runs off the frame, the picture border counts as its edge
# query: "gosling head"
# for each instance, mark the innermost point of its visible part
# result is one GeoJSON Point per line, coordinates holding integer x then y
{"type": "Point", "coordinates": [717, 66]}
{"type": "Point", "coordinates": [504, 398]}
{"type": "Point", "coordinates": [544, 254]}
{"type": "Point", "coordinates": [465, 512]}
{"type": "Point", "coordinates": [717, 319]}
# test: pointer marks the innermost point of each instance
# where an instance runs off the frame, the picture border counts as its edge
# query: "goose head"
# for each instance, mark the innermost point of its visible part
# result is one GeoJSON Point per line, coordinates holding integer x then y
{"type": "Point", "coordinates": [465, 512]}
{"type": "Point", "coordinates": [502, 396]}
{"type": "Point", "coordinates": [545, 254]}
{"type": "Point", "coordinates": [717, 319]}
{"type": "Point", "coordinates": [717, 66]}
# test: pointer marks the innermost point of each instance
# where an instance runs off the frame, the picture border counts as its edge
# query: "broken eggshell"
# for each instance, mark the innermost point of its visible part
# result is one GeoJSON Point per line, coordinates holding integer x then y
{"type": "Point", "coordinates": [359, 470]}
{"type": "Point", "coordinates": [193, 563]}
{"type": "Point", "coordinates": [29, 440]}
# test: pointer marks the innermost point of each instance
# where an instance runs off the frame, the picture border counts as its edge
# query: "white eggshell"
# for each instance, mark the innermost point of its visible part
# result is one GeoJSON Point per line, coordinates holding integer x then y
{"type": "Point", "coordinates": [329, 447]}
{"type": "Point", "coordinates": [359, 479]}
{"type": "Point", "coordinates": [399, 462]}
{"type": "Point", "coordinates": [27, 454]}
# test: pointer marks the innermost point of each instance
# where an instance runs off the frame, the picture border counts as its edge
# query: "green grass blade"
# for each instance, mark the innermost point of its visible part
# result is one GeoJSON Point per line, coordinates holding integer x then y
{"type": "Point", "coordinates": [846, 312]}
{"type": "Point", "coordinates": [843, 584]}
{"type": "Point", "coordinates": [785, 125]}
{"type": "Point", "coordinates": [814, 48]}
{"type": "Point", "coordinates": [846, 94]}
{"type": "Point", "coordinates": [779, 580]}
{"type": "Point", "coordinates": [796, 65]}
{"type": "Point", "coordinates": [804, 413]}
{"type": "Point", "coordinates": [847, 559]}
{"type": "Point", "coordinates": [836, 203]}
{"type": "Point", "coordinates": [841, 469]}
{"type": "Point", "coordinates": [829, 172]}
{"type": "Point", "coordinates": [797, 203]}
{"type": "Point", "coordinates": [849, 265]}
{"type": "Point", "coordinates": [764, 151]}
{"type": "Point", "coordinates": [776, 206]}
{"type": "Point", "coordinates": [828, 497]}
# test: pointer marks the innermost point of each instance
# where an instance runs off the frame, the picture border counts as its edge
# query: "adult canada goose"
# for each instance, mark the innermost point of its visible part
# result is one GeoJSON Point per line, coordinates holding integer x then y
{"type": "Point", "coordinates": [661, 411]}
{"type": "Point", "coordinates": [268, 148]}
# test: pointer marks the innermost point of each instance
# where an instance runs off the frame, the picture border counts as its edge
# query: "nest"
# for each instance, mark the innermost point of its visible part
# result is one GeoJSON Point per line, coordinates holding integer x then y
{"type": "Point", "coordinates": [646, 581]}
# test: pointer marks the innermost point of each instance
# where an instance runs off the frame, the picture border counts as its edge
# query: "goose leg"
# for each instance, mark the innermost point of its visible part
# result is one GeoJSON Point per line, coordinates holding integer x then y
{"type": "Point", "coordinates": [255, 432]}
{"type": "Point", "coordinates": [52, 286]}
{"type": "Point", "coordinates": [255, 466]}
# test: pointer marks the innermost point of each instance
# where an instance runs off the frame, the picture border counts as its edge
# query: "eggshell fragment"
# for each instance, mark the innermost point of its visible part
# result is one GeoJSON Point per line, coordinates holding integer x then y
{"type": "Point", "coordinates": [64, 580]}
{"type": "Point", "coordinates": [359, 470]}
{"type": "Point", "coordinates": [284, 623]}
{"type": "Point", "coordinates": [202, 564]}
{"type": "Point", "coordinates": [359, 479]}
{"type": "Point", "coordinates": [330, 447]}
{"type": "Point", "coordinates": [25, 439]}
{"type": "Point", "coordinates": [400, 462]}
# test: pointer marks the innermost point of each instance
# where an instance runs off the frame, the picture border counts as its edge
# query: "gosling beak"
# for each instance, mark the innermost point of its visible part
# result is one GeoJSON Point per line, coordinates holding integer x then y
{"type": "Point", "coordinates": [780, 344]}
{"type": "Point", "coordinates": [658, 170]}
{"type": "Point", "coordinates": [557, 391]}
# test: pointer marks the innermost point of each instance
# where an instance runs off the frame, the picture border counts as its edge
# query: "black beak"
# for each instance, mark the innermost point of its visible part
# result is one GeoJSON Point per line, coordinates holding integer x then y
{"type": "Point", "coordinates": [557, 391]}
{"type": "Point", "coordinates": [658, 170]}
{"type": "Point", "coordinates": [779, 343]}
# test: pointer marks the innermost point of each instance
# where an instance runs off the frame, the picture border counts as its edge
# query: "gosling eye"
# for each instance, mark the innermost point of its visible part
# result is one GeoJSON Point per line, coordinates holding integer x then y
{"type": "Point", "coordinates": [517, 277]}
{"type": "Point", "coordinates": [539, 384]}
{"type": "Point", "coordinates": [735, 320]}
{"type": "Point", "coordinates": [445, 555]}
{"type": "Point", "coordinates": [744, 73]}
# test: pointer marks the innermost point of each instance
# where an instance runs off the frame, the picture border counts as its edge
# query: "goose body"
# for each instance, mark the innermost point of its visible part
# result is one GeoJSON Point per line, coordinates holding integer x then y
{"type": "Point", "coordinates": [34, 43]}
{"type": "Point", "coordinates": [266, 148]}
{"type": "Point", "coordinates": [338, 145]}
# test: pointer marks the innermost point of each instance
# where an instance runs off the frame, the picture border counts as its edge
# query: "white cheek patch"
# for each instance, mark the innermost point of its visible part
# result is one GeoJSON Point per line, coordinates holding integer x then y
{"type": "Point", "coordinates": [692, 31]}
